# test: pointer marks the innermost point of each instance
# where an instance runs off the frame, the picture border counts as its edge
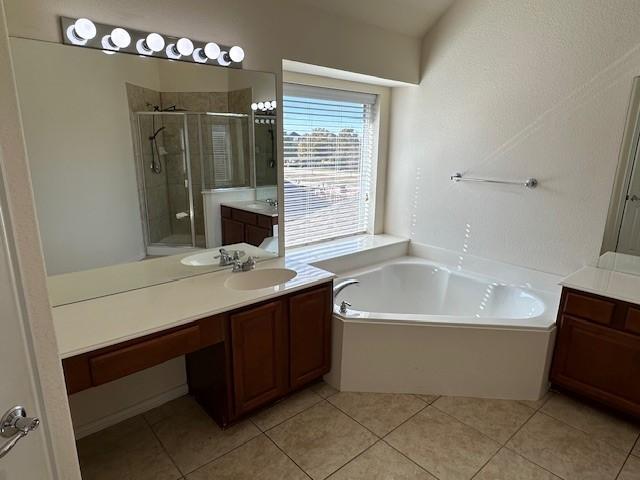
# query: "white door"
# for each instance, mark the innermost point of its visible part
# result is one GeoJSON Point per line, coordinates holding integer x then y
{"type": "Point", "coordinates": [629, 239]}
{"type": "Point", "coordinates": [29, 459]}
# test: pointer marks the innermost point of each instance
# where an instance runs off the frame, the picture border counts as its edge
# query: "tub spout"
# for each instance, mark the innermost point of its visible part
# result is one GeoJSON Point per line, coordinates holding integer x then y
{"type": "Point", "coordinates": [342, 285]}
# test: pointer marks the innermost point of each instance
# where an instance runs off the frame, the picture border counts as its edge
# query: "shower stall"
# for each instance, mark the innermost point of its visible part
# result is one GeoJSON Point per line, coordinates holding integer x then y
{"type": "Point", "coordinates": [182, 153]}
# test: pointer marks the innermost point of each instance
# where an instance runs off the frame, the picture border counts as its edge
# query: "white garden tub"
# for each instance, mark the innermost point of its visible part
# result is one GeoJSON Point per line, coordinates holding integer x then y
{"type": "Point", "coordinates": [416, 326]}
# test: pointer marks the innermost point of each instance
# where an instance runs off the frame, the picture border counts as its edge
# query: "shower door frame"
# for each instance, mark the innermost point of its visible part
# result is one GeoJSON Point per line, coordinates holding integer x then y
{"type": "Point", "coordinates": [186, 159]}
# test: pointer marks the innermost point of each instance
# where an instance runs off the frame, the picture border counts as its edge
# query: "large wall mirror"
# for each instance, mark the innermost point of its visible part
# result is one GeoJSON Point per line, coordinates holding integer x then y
{"type": "Point", "coordinates": [621, 244]}
{"type": "Point", "coordinates": [143, 167]}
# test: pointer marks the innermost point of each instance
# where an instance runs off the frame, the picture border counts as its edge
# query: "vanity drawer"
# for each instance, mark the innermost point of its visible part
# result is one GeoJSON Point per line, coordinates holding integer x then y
{"type": "Point", "coordinates": [225, 212]}
{"type": "Point", "coordinates": [110, 363]}
{"type": "Point", "coordinates": [125, 361]}
{"type": "Point", "coordinates": [244, 217]}
{"type": "Point", "coordinates": [589, 307]}
{"type": "Point", "coordinates": [632, 322]}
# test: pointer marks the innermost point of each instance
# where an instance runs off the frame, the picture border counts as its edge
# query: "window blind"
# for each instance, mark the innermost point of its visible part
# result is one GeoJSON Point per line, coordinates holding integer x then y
{"type": "Point", "coordinates": [329, 140]}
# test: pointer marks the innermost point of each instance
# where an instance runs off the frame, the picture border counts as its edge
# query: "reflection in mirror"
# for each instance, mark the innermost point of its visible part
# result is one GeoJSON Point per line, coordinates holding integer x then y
{"type": "Point", "coordinates": [621, 243]}
{"type": "Point", "coordinates": [142, 168]}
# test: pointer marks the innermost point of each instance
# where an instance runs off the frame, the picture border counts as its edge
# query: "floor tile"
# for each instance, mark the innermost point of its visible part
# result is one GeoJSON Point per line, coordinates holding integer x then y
{"type": "Point", "coordinates": [381, 462]}
{"type": "Point", "coordinates": [285, 409]}
{"type": "Point", "coordinates": [537, 404]}
{"type": "Point", "coordinates": [324, 389]}
{"type": "Point", "coordinates": [321, 439]}
{"type": "Point", "coordinates": [596, 422]}
{"type": "Point", "coordinates": [566, 451]}
{"type": "Point", "coordinates": [158, 414]}
{"type": "Point", "coordinates": [429, 399]}
{"type": "Point", "coordinates": [442, 445]}
{"type": "Point", "coordinates": [258, 458]}
{"type": "Point", "coordinates": [631, 470]}
{"type": "Point", "coordinates": [192, 438]}
{"type": "Point", "coordinates": [508, 465]}
{"type": "Point", "coordinates": [497, 419]}
{"type": "Point", "coordinates": [636, 449]}
{"type": "Point", "coordinates": [128, 450]}
{"type": "Point", "coordinates": [379, 412]}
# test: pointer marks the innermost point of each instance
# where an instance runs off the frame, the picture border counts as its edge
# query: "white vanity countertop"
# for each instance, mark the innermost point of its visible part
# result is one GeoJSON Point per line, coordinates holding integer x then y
{"type": "Point", "coordinates": [254, 206]}
{"type": "Point", "coordinates": [85, 326]}
{"type": "Point", "coordinates": [608, 283]}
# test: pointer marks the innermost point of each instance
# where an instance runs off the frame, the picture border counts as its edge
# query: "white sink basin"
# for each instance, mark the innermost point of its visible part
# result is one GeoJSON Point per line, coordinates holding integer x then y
{"type": "Point", "coordinates": [204, 259]}
{"type": "Point", "coordinates": [261, 278]}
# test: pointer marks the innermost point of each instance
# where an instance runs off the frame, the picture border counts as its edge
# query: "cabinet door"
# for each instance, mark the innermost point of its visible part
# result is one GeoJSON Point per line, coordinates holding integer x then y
{"type": "Point", "coordinates": [259, 351]}
{"type": "Point", "coordinates": [232, 231]}
{"type": "Point", "coordinates": [256, 235]}
{"type": "Point", "coordinates": [599, 362]}
{"type": "Point", "coordinates": [310, 335]}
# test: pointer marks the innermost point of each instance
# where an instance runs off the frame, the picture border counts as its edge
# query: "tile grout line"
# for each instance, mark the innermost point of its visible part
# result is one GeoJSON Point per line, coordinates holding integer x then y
{"type": "Point", "coordinates": [410, 459]}
{"type": "Point", "coordinates": [288, 418]}
{"type": "Point", "coordinates": [287, 455]}
{"type": "Point", "coordinates": [628, 457]}
{"type": "Point", "coordinates": [358, 455]}
{"type": "Point", "coordinates": [164, 449]}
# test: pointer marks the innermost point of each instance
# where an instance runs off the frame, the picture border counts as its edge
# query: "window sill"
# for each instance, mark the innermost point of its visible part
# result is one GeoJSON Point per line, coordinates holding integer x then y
{"type": "Point", "coordinates": [323, 254]}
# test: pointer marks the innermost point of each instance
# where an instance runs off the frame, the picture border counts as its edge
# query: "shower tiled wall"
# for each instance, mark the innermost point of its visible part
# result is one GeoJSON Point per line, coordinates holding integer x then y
{"type": "Point", "coordinates": [167, 194]}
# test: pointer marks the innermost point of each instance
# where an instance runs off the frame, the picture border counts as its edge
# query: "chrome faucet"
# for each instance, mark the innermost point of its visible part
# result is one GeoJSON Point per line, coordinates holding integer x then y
{"type": "Point", "coordinates": [229, 257]}
{"type": "Point", "coordinates": [271, 202]}
{"type": "Point", "coordinates": [248, 264]}
{"type": "Point", "coordinates": [341, 286]}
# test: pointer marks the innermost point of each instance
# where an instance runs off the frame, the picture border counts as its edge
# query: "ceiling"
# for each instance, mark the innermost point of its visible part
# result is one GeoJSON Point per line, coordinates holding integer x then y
{"type": "Point", "coordinates": [411, 17]}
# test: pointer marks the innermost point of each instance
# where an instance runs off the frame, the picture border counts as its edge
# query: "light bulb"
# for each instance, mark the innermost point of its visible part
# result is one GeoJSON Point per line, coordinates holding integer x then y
{"type": "Point", "coordinates": [152, 43]}
{"type": "Point", "coordinates": [118, 39]}
{"type": "Point", "coordinates": [199, 56]}
{"type": "Point", "coordinates": [261, 105]}
{"type": "Point", "coordinates": [212, 50]}
{"type": "Point", "coordinates": [184, 46]}
{"type": "Point", "coordinates": [223, 59]}
{"type": "Point", "coordinates": [81, 31]}
{"type": "Point", "coordinates": [267, 105]}
{"type": "Point", "coordinates": [273, 103]}
{"type": "Point", "coordinates": [236, 54]}
{"type": "Point", "coordinates": [254, 106]}
{"type": "Point", "coordinates": [172, 51]}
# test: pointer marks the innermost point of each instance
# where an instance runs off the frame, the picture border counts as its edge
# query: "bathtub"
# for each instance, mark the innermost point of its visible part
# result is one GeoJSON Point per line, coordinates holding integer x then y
{"type": "Point", "coordinates": [419, 326]}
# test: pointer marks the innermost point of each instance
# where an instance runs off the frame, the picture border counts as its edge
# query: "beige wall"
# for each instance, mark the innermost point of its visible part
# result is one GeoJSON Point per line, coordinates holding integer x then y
{"type": "Point", "coordinates": [512, 89]}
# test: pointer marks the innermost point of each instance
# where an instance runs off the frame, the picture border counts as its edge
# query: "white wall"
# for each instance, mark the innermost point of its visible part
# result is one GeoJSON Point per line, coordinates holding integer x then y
{"type": "Point", "coordinates": [80, 151]}
{"type": "Point", "coordinates": [512, 89]}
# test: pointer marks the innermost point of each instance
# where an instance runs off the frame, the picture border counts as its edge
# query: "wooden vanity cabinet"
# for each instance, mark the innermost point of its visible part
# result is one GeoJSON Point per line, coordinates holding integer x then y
{"type": "Point", "coordinates": [240, 226]}
{"type": "Point", "coordinates": [236, 362]}
{"type": "Point", "coordinates": [272, 349]}
{"type": "Point", "coordinates": [597, 352]}
{"type": "Point", "coordinates": [259, 350]}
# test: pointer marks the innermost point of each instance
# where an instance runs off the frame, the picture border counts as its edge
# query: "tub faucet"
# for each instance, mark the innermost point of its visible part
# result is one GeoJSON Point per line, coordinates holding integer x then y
{"type": "Point", "coordinates": [342, 285]}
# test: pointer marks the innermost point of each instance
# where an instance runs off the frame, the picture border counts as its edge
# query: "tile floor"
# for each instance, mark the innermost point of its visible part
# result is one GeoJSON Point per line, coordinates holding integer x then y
{"type": "Point", "coordinates": [319, 433]}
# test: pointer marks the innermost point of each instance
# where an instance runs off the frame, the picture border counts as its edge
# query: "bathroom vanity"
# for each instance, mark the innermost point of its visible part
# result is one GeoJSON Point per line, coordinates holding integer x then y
{"type": "Point", "coordinates": [247, 222]}
{"type": "Point", "coordinates": [247, 348]}
{"type": "Point", "coordinates": [597, 353]}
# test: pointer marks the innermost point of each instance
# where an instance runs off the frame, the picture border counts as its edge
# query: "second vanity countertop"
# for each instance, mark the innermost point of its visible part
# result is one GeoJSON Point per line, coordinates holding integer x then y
{"type": "Point", "coordinates": [608, 283]}
{"type": "Point", "coordinates": [86, 326]}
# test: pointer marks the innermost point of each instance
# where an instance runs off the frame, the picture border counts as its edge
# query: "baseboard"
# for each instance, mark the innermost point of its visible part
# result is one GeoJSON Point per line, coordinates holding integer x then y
{"type": "Point", "coordinates": [137, 409]}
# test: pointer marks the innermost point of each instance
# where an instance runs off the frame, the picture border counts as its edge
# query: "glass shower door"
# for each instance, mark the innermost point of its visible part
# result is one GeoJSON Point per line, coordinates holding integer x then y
{"type": "Point", "coordinates": [168, 196]}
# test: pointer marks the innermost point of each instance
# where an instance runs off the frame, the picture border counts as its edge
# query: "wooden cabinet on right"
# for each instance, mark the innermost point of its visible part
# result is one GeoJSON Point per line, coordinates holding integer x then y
{"type": "Point", "coordinates": [597, 352]}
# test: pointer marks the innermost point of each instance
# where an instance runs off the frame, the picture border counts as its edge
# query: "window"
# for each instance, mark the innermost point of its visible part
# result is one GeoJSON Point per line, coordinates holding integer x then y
{"type": "Point", "coordinates": [329, 143]}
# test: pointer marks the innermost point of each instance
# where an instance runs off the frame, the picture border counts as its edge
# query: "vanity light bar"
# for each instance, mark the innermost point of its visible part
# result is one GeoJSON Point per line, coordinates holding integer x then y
{"type": "Point", "coordinates": [83, 32]}
{"type": "Point", "coordinates": [264, 106]}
